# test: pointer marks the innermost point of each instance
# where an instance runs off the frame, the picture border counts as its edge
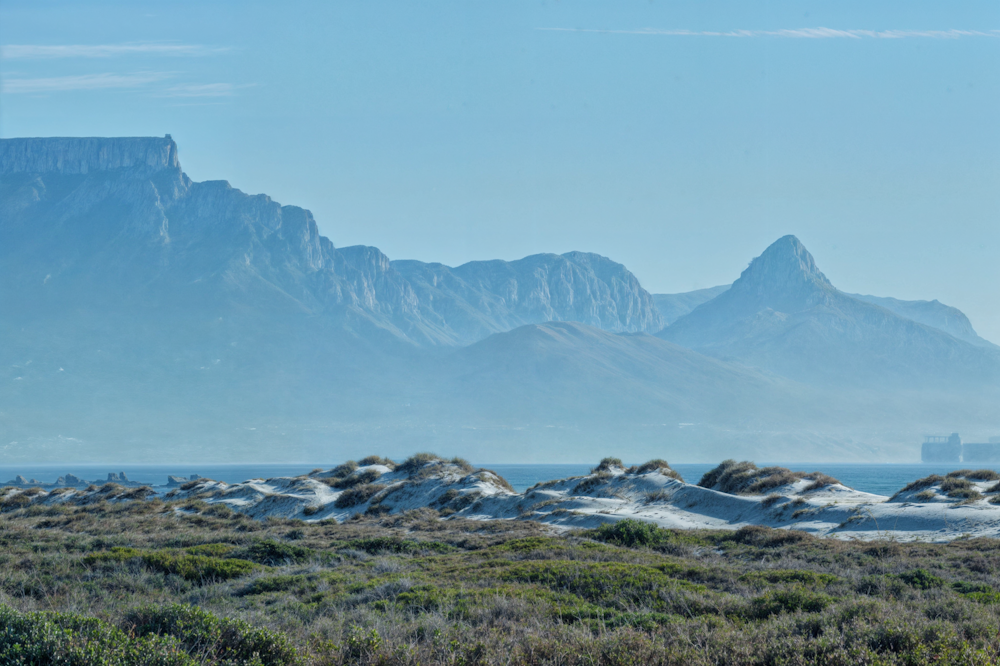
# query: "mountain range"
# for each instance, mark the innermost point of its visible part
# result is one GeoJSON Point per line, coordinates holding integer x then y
{"type": "Point", "coordinates": [149, 317]}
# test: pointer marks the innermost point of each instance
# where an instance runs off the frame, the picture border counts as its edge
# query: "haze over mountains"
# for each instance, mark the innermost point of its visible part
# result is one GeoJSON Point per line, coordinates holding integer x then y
{"type": "Point", "coordinates": [148, 317]}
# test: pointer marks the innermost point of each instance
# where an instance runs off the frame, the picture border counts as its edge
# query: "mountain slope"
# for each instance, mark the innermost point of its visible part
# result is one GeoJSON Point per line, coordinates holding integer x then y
{"type": "Point", "coordinates": [785, 316]}
{"type": "Point", "coordinates": [674, 306]}
{"type": "Point", "coordinates": [931, 313]}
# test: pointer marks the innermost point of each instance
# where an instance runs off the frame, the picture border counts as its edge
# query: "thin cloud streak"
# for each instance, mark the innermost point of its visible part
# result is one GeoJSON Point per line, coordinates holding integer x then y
{"type": "Point", "coordinates": [205, 90]}
{"type": "Point", "coordinates": [795, 33]}
{"type": "Point", "coordinates": [82, 82]}
{"type": "Point", "coordinates": [49, 51]}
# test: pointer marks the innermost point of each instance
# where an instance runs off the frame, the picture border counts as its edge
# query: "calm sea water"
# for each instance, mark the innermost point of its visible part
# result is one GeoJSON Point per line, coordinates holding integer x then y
{"type": "Point", "coordinates": [882, 479]}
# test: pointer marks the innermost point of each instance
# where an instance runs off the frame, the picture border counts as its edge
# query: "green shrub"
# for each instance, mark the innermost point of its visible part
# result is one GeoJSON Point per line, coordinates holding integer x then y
{"type": "Point", "coordinates": [273, 553]}
{"type": "Point", "coordinates": [794, 600]}
{"type": "Point", "coordinates": [189, 567]}
{"type": "Point", "coordinates": [789, 576]}
{"type": "Point", "coordinates": [631, 533]}
{"type": "Point", "coordinates": [617, 583]}
{"type": "Point", "coordinates": [48, 638]}
{"type": "Point", "coordinates": [921, 579]}
{"type": "Point", "coordinates": [198, 567]}
{"type": "Point", "coordinates": [983, 597]}
{"type": "Point", "coordinates": [211, 549]}
{"type": "Point", "coordinates": [965, 587]}
{"type": "Point", "coordinates": [889, 586]}
{"type": "Point", "coordinates": [220, 640]}
{"type": "Point", "coordinates": [766, 537]}
{"type": "Point", "coordinates": [376, 545]}
{"type": "Point", "coordinates": [273, 584]}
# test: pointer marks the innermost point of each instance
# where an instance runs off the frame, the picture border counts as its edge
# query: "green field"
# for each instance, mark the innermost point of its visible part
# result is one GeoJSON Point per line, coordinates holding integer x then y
{"type": "Point", "coordinates": [149, 582]}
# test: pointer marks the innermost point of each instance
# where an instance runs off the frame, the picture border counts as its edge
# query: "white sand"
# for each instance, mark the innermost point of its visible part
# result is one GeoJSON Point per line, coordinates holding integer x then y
{"type": "Point", "coordinates": [834, 511]}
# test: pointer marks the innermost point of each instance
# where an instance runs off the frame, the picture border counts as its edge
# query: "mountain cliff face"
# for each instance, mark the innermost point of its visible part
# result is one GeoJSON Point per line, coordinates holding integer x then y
{"type": "Point", "coordinates": [480, 298]}
{"type": "Point", "coordinates": [785, 316]}
{"type": "Point", "coordinates": [118, 219]}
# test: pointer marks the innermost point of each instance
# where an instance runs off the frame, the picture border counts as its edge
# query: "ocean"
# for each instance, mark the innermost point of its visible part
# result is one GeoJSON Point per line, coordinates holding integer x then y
{"type": "Point", "coordinates": [881, 479]}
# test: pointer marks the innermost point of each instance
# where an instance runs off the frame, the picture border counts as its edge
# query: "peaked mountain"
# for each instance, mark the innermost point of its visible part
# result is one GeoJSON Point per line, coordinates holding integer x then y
{"type": "Point", "coordinates": [784, 315]}
{"type": "Point", "coordinates": [117, 220]}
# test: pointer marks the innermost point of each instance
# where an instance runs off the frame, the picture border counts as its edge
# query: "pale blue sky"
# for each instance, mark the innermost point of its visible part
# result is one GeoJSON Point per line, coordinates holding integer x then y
{"type": "Point", "coordinates": [677, 138]}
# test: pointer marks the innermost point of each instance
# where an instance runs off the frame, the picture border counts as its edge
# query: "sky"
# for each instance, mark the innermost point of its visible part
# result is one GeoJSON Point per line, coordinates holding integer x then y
{"type": "Point", "coordinates": [678, 138]}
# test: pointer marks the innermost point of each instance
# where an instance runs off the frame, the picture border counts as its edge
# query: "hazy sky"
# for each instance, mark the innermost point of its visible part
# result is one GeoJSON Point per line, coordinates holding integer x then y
{"type": "Point", "coordinates": [677, 138]}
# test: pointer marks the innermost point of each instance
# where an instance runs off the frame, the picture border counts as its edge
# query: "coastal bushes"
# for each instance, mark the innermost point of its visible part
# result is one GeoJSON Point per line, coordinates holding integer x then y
{"type": "Point", "coordinates": [631, 533]}
{"type": "Point", "coordinates": [408, 588]}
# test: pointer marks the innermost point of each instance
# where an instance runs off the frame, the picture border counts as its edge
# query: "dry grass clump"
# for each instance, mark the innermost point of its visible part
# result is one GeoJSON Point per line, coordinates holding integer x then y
{"type": "Point", "coordinates": [657, 464]}
{"type": "Point", "coordinates": [463, 464]}
{"type": "Point", "coordinates": [358, 495]}
{"type": "Point", "coordinates": [344, 469]}
{"type": "Point", "coordinates": [414, 463]}
{"type": "Point", "coordinates": [377, 460]}
{"type": "Point", "coordinates": [819, 480]}
{"type": "Point", "coordinates": [975, 474]}
{"type": "Point", "coordinates": [591, 482]}
{"type": "Point", "coordinates": [745, 478]}
{"type": "Point", "coordinates": [771, 499]}
{"type": "Point", "coordinates": [497, 479]}
{"type": "Point", "coordinates": [356, 479]}
{"type": "Point", "coordinates": [920, 484]}
{"type": "Point", "coordinates": [959, 488]}
{"type": "Point", "coordinates": [607, 464]}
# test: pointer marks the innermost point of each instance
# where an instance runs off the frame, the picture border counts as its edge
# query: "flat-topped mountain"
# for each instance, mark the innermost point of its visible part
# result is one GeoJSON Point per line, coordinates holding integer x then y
{"type": "Point", "coordinates": [118, 219]}
{"type": "Point", "coordinates": [784, 315]}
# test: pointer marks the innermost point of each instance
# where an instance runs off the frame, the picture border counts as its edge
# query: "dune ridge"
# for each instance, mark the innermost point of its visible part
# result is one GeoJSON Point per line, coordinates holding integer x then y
{"type": "Point", "coordinates": [731, 496]}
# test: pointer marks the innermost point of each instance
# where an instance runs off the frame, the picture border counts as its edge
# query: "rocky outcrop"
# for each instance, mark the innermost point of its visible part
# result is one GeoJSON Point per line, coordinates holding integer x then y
{"type": "Point", "coordinates": [87, 155]}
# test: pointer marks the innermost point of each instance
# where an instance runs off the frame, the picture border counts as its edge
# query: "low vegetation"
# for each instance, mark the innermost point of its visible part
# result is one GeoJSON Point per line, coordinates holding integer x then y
{"type": "Point", "coordinates": [745, 478]}
{"type": "Point", "coordinates": [167, 583]}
